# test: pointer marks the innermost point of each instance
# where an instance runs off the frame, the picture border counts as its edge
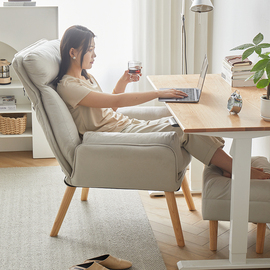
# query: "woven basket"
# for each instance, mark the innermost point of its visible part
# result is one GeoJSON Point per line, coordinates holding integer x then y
{"type": "Point", "coordinates": [13, 123]}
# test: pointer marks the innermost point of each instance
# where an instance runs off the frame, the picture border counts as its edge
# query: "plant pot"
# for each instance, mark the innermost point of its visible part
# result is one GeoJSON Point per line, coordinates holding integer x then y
{"type": "Point", "coordinates": [265, 108]}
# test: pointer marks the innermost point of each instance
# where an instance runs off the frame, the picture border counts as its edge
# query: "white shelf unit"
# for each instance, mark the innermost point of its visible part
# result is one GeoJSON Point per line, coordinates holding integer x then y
{"type": "Point", "coordinates": [29, 24]}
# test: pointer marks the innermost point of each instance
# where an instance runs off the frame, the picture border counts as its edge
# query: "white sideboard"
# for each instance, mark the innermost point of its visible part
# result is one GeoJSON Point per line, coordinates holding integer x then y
{"type": "Point", "coordinates": [20, 27]}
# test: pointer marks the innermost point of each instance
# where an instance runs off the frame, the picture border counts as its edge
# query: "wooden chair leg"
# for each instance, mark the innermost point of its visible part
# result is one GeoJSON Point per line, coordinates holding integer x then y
{"type": "Point", "coordinates": [261, 227]}
{"type": "Point", "coordinates": [213, 232]}
{"type": "Point", "coordinates": [62, 210]}
{"type": "Point", "coordinates": [84, 194]}
{"type": "Point", "coordinates": [187, 194]}
{"type": "Point", "coordinates": [170, 198]}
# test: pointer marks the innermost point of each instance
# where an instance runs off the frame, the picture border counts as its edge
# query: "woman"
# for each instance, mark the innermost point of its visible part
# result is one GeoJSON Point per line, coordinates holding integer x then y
{"type": "Point", "coordinates": [93, 110]}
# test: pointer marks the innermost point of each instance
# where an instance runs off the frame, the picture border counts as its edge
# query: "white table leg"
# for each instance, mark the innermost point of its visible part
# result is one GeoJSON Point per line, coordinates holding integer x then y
{"type": "Point", "coordinates": [241, 152]}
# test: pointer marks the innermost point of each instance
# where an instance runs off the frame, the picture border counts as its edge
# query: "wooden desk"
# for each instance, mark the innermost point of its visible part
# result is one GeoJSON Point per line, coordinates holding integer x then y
{"type": "Point", "coordinates": [210, 117]}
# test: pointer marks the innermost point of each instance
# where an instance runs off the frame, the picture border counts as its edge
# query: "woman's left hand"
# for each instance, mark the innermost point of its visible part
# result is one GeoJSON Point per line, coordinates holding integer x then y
{"type": "Point", "coordinates": [128, 78]}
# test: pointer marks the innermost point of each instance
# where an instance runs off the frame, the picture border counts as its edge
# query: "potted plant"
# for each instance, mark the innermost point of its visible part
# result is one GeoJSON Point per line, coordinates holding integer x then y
{"type": "Point", "coordinates": [262, 70]}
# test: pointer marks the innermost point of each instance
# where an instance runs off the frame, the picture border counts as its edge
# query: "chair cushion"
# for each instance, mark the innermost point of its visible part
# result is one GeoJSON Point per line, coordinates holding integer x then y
{"type": "Point", "coordinates": [145, 112]}
{"type": "Point", "coordinates": [40, 65]}
{"type": "Point", "coordinates": [216, 194]}
{"type": "Point", "coordinates": [151, 161]}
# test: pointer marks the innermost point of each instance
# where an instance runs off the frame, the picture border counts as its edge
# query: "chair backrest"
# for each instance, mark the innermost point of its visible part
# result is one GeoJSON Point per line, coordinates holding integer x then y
{"type": "Point", "coordinates": [36, 67]}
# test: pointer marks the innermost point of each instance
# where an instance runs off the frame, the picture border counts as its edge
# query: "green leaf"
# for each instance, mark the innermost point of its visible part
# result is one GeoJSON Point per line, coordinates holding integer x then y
{"type": "Point", "coordinates": [258, 75]}
{"type": "Point", "coordinates": [264, 45]}
{"type": "Point", "coordinates": [248, 52]}
{"type": "Point", "coordinates": [262, 83]}
{"type": "Point", "coordinates": [267, 69]}
{"type": "Point", "coordinates": [258, 50]}
{"type": "Point", "coordinates": [264, 56]}
{"type": "Point", "coordinates": [260, 65]}
{"type": "Point", "coordinates": [249, 78]}
{"type": "Point", "coordinates": [258, 39]}
{"type": "Point", "coordinates": [243, 47]}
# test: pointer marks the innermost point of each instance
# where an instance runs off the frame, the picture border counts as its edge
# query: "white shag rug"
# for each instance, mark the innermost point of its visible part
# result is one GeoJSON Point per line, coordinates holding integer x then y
{"type": "Point", "coordinates": [111, 221]}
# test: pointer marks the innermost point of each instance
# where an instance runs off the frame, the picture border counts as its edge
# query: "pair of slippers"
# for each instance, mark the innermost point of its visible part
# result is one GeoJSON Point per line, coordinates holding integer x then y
{"type": "Point", "coordinates": [102, 262]}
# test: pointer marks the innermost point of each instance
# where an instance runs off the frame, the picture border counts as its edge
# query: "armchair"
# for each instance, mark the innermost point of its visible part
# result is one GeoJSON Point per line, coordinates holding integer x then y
{"type": "Point", "coordinates": [101, 159]}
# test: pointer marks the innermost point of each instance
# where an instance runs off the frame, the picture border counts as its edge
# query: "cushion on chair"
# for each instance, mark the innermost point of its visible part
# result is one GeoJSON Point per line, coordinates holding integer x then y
{"type": "Point", "coordinates": [42, 62]}
{"type": "Point", "coordinates": [40, 65]}
{"type": "Point", "coordinates": [133, 160]}
{"type": "Point", "coordinates": [216, 194]}
{"type": "Point", "coordinates": [144, 112]}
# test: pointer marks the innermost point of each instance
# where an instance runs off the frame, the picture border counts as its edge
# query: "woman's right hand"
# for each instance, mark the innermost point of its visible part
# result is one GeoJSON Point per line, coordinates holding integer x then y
{"type": "Point", "coordinates": [171, 93]}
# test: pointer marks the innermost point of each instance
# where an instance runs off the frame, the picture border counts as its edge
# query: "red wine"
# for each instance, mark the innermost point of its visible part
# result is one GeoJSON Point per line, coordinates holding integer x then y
{"type": "Point", "coordinates": [134, 70]}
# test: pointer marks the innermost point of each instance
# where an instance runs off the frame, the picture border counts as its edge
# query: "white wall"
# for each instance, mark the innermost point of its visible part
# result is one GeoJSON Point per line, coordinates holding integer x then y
{"type": "Point", "coordinates": [111, 22]}
{"type": "Point", "coordinates": [234, 23]}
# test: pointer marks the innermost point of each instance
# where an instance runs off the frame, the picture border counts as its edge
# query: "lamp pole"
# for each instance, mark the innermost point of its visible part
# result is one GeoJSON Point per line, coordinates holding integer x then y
{"type": "Point", "coordinates": [197, 6]}
{"type": "Point", "coordinates": [183, 40]}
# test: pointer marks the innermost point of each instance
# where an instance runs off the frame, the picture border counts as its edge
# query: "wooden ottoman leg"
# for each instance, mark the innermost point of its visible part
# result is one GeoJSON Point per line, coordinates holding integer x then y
{"type": "Point", "coordinates": [213, 232]}
{"type": "Point", "coordinates": [261, 227]}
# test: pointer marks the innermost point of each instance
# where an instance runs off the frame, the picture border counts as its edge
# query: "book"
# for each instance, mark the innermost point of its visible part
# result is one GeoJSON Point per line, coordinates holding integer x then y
{"type": "Point", "coordinates": [236, 68]}
{"type": "Point", "coordinates": [7, 103]}
{"type": "Point", "coordinates": [236, 60]}
{"type": "Point", "coordinates": [239, 75]}
{"type": "Point", "coordinates": [19, 3]}
{"type": "Point", "coordinates": [237, 83]}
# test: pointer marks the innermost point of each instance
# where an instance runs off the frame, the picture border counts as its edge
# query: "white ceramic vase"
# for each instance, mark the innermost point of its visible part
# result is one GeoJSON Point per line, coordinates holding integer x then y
{"type": "Point", "coordinates": [265, 108]}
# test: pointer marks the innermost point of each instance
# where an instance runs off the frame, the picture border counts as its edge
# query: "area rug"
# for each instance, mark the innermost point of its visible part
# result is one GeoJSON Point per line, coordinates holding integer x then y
{"type": "Point", "coordinates": [111, 221]}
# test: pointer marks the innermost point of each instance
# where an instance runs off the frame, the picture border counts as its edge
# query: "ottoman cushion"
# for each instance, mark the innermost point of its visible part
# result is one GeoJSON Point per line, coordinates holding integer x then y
{"type": "Point", "coordinates": [216, 194]}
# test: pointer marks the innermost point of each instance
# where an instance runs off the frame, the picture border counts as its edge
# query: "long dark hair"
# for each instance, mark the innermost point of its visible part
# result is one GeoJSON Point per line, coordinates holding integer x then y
{"type": "Point", "coordinates": [74, 37]}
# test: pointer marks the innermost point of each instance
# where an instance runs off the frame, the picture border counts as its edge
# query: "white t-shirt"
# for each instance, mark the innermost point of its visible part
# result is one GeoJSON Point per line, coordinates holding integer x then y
{"type": "Point", "coordinates": [72, 90]}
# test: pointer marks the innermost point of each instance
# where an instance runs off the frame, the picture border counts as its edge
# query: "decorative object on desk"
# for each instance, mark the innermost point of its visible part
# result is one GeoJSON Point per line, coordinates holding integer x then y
{"type": "Point", "coordinates": [19, 3]}
{"type": "Point", "coordinates": [265, 108]}
{"type": "Point", "coordinates": [236, 71]}
{"type": "Point", "coordinates": [235, 102]}
{"type": "Point", "coordinates": [262, 69]}
{"type": "Point", "coordinates": [7, 103]}
{"type": "Point", "coordinates": [197, 6]}
{"type": "Point", "coordinates": [14, 123]}
{"type": "Point", "coordinates": [4, 72]}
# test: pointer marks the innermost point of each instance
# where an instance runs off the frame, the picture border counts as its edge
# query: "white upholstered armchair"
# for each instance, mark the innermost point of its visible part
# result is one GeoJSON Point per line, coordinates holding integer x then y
{"type": "Point", "coordinates": [101, 159]}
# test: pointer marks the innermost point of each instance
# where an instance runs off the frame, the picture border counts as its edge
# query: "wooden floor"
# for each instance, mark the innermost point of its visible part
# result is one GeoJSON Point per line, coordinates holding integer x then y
{"type": "Point", "coordinates": [194, 228]}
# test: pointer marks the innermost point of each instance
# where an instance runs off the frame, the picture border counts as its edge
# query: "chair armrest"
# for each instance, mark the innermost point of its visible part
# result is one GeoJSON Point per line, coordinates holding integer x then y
{"type": "Point", "coordinates": [150, 161]}
{"type": "Point", "coordinates": [145, 113]}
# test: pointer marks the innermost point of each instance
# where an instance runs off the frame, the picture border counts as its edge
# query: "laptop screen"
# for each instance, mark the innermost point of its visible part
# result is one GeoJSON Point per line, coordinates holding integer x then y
{"type": "Point", "coordinates": [203, 73]}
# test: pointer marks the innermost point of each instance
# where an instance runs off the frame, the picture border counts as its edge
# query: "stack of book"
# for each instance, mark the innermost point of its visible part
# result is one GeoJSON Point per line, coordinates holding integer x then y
{"type": "Point", "coordinates": [7, 103]}
{"type": "Point", "coordinates": [237, 72]}
{"type": "Point", "coordinates": [19, 3]}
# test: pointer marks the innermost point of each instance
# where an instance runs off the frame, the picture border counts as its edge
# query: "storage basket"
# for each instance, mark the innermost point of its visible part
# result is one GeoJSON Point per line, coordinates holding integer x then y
{"type": "Point", "coordinates": [13, 123]}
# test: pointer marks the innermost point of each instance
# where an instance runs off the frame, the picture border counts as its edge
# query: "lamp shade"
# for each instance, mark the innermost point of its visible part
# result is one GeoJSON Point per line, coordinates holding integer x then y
{"type": "Point", "coordinates": [201, 6]}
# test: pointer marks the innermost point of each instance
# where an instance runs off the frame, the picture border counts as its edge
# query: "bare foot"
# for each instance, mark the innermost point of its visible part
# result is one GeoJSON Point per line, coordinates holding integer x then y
{"type": "Point", "coordinates": [258, 173]}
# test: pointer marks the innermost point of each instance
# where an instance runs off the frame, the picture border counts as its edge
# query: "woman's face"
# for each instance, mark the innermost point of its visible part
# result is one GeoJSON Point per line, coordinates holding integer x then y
{"type": "Point", "coordinates": [88, 58]}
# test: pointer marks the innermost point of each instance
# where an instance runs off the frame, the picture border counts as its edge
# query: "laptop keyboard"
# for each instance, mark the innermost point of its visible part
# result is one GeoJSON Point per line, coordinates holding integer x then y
{"type": "Point", "coordinates": [190, 92]}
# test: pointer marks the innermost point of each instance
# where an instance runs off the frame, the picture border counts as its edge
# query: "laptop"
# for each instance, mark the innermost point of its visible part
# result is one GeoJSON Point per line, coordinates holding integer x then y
{"type": "Point", "coordinates": [194, 94]}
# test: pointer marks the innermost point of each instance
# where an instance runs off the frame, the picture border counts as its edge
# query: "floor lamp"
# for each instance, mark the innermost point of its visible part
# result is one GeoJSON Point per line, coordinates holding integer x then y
{"type": "Point", "coordinates": [196, 6]}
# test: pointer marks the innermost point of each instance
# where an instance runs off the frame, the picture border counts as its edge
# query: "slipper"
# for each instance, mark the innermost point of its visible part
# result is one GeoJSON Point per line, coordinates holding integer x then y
{"type": "Point", "coordinates": [111, 262]}
{"type": "Point", "coordinates": [88, 266]}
